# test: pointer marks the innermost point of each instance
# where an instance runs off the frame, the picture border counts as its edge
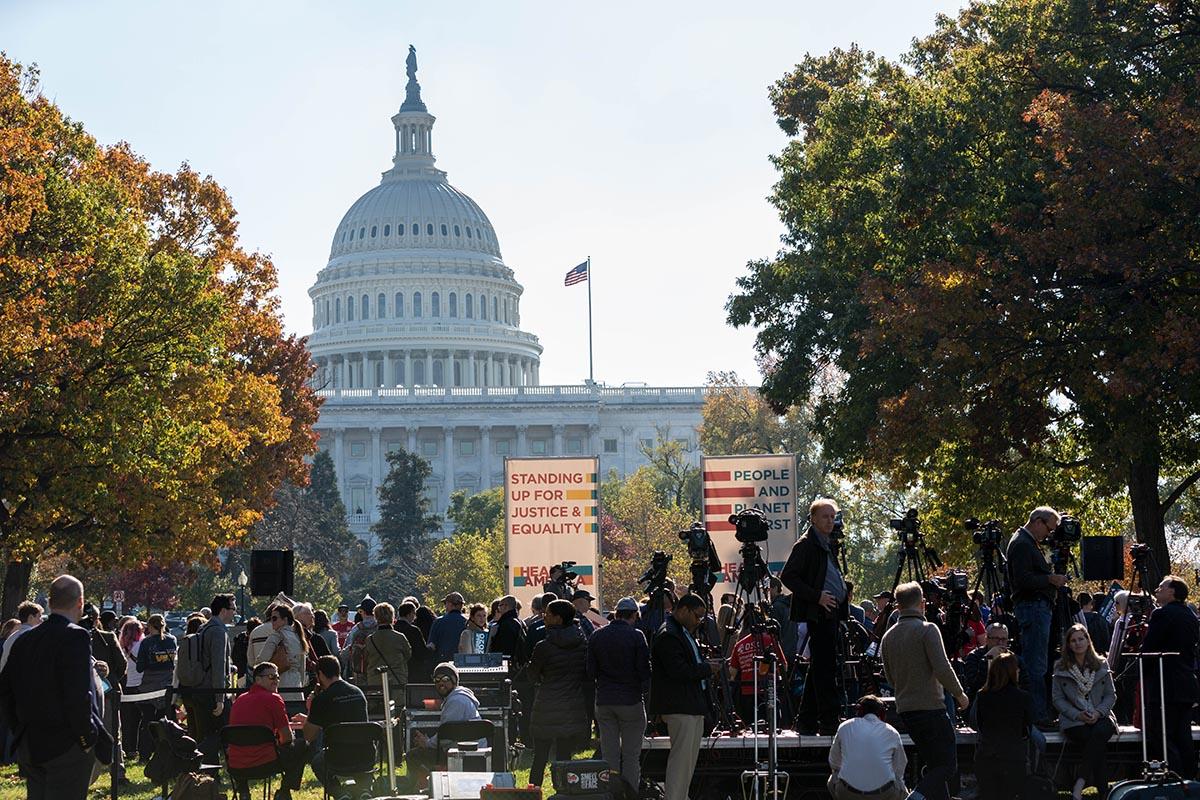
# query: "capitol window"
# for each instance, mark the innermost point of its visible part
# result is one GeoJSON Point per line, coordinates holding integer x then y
{"type": "Point", "coordinates": [574, 445]}
{"type": "Point", "coordinates": [350, 309]}
{"type": "Point", "coordinates": [466, 447]}
{"type": "Point", "coordinates": [482, 306]}
{"type": "Point", "coordinates": [610, 445]}
{"type": "Point", "coordinates": [394, 447]}
{"type": "Point", "coordinates": [435, 305]}
{"type": "Point", "coordinates": [478, 235]}
{"type": "Point", "coordinates": [453, 305]}
{"type": "Point", "coordinates": [496, 308]}
{"type": "Point", "coordinates": [647, 444]}
{"type": "Point", "coordinates": [351, 234]}
{"type": "Point", "coordinates": [537, 447]}
{"type": "Point", "coordinates": [429, 447]}
{"type": "Point", "coordinates": [400, 229]}
{"type": "Point", "coordinates": [503, 447]}
{"type": "Point", "coordinates": [381, 306]}
{"type": "Point", "coordinates": [416, 304]}
{"type": "Point", "coordinates": [374, 230]}
{"type": "Point", "coordinates": [399, 304]}
{"type": "Point", "coordinates": [337, 309]}
{"type": "Point", "coordinates": [429, 229]}
{"type": "Point", "coordinates": [366, 306]}
{"type": "Point", "coordinates": [358, 449]}
{"type": "Point", "coordinates": [444, 231]}
{"type": "Point", "coordinates": [457, 231]}
{"type": "Point", "coordinates": [362, 232]}
{"type": "Point", "coordinates": [470, 298]}
{"type": "Point", "coordinates": [387, 230]}
{"type": "Point", "coordinates": [468, 233]}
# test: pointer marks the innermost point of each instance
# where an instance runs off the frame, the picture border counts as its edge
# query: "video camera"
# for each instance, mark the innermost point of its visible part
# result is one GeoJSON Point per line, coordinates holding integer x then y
{"type": "Point", "coordinates": [908, 526]}
{"type": "Point", "coordinates": [751, 525]}
{"type": "Point", "coordinates": [565, 568]}
{"type": "Point", "coordinates": [1068, 532]}
{"type": "Point", "coordinates": [985, 534]}
{"type": "Point", "coordinates": [697, 540]}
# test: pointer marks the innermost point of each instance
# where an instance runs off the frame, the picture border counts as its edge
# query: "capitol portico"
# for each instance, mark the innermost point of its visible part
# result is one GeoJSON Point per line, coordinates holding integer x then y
{"type": "Point", "coordinates": [417, 343]}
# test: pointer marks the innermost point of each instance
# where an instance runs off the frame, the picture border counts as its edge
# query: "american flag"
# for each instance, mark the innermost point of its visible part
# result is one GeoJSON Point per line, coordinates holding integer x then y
{"type": "Point", "coordinates": [577, 275]}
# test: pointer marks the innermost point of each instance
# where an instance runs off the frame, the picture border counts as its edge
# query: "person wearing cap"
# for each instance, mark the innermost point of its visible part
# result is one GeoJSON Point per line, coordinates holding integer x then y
{"type": "Point", "coordinates": [356, 640]}
{"type": "Point", "coordinates": [459, 704]}
{"type": "Point", "coordinates": [582, 601]}
{"type": "Point", "coordinates": [447, 629]}
{"type": "Point", "coordinates": [619, 662]}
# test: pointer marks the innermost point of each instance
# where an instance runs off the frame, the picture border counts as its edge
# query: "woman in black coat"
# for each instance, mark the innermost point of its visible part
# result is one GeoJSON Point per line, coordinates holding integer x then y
{"type": "Point", "coordinates": [1002, 715]}
{"type": "Point", "coordinates": [558, 668]}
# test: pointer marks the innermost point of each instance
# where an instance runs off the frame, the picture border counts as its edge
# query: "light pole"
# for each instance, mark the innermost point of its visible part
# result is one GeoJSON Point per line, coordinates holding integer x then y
{"type": "Point", "coordinates": [242, 580]}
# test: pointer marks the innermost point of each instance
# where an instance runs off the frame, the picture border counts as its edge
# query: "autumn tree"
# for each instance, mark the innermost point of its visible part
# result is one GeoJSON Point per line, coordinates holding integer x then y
{"type": "Point", "coordinates": [470, 562]}
{"type": "Point", "coordinates": [993, 243]}
{"type": "Point", "coordinates": [406, 523]}
{"type": "Point", "coordinates": [636, 522]}
{"type": "Point", "coordinates": [675, 477]}
{"type": "Point", "coordinates": [150, 403]}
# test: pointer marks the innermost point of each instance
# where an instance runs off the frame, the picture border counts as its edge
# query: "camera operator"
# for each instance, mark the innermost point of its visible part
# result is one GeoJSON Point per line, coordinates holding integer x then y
{"type": "Point", "coordinates": [1173, 628]}
{"type": "Point", "coordinates": [559, 583]}
{"type": "Point", "coordinates": [1033, 586]}
{"type": "Point", "coordinates": [819, 599]}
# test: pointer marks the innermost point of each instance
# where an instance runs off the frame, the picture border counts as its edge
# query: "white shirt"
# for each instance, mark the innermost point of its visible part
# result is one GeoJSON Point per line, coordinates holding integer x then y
{"type": "Point", "coordinates": [12, 637]}
{"type": "Point", "coordinates": [133, 678]}
{"type": "Point", "coordinates": [867, 754]}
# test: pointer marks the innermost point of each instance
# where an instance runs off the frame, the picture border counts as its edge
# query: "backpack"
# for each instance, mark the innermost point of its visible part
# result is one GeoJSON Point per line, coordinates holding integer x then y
{"type": "Point", "coordinates": [358, 654]}
{"type": "Point", "coordinates": [174, 752]}
{"type": "Point", "coordinates": [190, 666]}
{"type": "Point", "coordinates": [196, 786]}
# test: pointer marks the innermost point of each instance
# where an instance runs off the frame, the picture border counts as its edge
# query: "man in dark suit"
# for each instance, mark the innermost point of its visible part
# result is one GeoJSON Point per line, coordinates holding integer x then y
{"type": "Point", "coordinates": [1173, 628]}
{"type": "Point", "coordinates": [50, 700]}
{"type": "Point", "coordinates": [677, 690]}
{"type": "Point", "coordinates": [819, 598]}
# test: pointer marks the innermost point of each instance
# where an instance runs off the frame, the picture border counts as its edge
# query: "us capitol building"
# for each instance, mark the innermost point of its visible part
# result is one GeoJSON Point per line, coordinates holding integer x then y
{"type": "Point", "coordinates": [418, 345]}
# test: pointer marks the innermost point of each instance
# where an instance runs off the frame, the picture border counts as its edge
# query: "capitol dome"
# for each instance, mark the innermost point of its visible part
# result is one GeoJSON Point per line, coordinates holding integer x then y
{"type": "Point", "coordinates": [415, 292]}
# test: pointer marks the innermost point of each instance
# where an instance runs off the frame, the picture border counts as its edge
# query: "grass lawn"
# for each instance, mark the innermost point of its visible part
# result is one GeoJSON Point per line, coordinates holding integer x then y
{"type": "Point", "coordinates": [12, 787]}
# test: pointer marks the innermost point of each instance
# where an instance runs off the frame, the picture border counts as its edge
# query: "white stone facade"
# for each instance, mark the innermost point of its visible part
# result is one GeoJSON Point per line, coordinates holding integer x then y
{"type": "Point", "coordinates": [418, 345]}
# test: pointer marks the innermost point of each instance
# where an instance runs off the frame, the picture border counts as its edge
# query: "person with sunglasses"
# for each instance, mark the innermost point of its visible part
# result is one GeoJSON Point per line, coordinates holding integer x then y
{"type": "Point", "coordinates": [262, 705]}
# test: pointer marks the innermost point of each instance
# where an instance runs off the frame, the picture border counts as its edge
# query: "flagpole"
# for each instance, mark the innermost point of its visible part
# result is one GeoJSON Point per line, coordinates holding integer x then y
{"type": "Point", "coordinates": [591, 374]}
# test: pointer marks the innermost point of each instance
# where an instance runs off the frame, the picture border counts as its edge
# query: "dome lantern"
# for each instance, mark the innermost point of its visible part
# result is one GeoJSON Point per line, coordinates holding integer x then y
{"type": "Point", "coordinates": [414, 131]}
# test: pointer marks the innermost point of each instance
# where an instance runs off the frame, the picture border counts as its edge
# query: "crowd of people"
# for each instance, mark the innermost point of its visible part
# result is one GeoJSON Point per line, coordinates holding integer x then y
{"type": "Point", "coordinates": [655, 662]}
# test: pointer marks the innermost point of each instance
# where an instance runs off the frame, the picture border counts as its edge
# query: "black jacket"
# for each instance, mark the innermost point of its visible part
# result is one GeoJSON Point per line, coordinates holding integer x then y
{"type": "Point", "coordinates": [619, 662]}
{"type": "Point", "coordinates": [1028, 571]}
{"type": "Point", "coordinates": [47, 691]}
{"type": "Point", "coordinates": [1002, 719]}
{"type": "Point", "coordinates": [558, 668]}
{"type": "Point", "coordinates": [1099, 630]}
{"type": "Point", "coordinates": [804, 575]}
{"type": "Point", "coordinates": [509, 638]}
{"type": "Point", "coordinates": [675, 675]}
{"type": "Point", "coordinates": [975, 670]}
{"type": "Point", "coordinates": [106, 649]}
{"type": "Point", "coordinates": [1172, 629]}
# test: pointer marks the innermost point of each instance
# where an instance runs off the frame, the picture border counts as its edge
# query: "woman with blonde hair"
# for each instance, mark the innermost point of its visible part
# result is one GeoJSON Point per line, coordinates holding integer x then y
{"type": "Point", "coordinates": [1002, 715]}
{"type": "Point", "coordinates": [1084, 695]}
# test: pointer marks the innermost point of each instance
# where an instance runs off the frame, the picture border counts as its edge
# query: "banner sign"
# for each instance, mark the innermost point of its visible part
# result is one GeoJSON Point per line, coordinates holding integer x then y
{"type": "Point", "coordinates": [551, 515]}
{"type": "Point", "coordinates": [735, 483]}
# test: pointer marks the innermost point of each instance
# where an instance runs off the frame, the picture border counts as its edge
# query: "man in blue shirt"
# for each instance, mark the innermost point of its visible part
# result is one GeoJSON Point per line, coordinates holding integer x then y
{"type": "Point", "coordinates": [446, 629]}
{"type": "Point", "coordinates": [619, 663]}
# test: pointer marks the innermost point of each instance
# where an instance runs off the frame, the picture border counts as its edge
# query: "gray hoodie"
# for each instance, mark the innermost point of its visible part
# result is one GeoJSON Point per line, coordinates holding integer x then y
{"type": "Point", "coordinates": [460, 705]}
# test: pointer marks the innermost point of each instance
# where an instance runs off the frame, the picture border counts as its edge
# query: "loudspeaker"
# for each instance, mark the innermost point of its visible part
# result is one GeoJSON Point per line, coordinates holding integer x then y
{"type": "Point", "coordinates": [1102, 557]}
{"type": "Point", "coordinates": [271, 572]}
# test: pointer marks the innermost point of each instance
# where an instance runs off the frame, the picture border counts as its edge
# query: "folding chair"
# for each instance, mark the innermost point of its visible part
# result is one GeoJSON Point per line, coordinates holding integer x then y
{"type": "Point", "coordinates": [351, 750]}
{"type": "Point", "coordinates": [449, 734]}
{"type": "Point", "coordinates": [251, 736]}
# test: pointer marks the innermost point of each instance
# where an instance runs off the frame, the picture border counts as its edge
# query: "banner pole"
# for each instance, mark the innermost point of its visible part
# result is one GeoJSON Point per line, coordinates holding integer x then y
{"type": "Point", "coordinates": [591, 374]}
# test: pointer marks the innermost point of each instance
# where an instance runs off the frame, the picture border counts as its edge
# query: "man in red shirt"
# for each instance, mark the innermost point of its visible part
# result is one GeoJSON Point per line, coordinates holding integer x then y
{"type": "Point", "coordinates": [741, 669]}
{"type": "Point", "coordinates": [343, 625]}
{"type": "Point", "coordinates": [262, 705]}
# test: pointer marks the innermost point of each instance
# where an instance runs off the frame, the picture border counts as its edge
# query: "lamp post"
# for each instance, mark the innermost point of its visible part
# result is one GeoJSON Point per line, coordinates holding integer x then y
{"type": "Point", "coordinates": [242, 580]}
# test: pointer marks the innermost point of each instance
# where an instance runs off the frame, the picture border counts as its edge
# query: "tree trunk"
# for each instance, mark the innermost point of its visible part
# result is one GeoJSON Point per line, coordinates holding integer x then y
{"type": "Point", "coordinates": [16, 587]}
{"type": "Point", "coordinates": [1148, 517]}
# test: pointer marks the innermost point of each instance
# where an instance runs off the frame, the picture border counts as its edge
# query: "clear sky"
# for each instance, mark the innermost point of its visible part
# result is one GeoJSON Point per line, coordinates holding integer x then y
{"type": "Point", "coordinates": [634, 133]}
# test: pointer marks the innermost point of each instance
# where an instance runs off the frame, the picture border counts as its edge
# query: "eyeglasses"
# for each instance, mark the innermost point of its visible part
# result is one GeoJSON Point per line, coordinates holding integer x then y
{"type": "Point", "coordinates": [997, 638]}
{"type": "Point", "coordinates": [271, 676]}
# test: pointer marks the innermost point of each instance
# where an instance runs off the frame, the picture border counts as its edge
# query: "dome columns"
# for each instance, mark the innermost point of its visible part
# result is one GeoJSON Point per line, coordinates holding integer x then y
{"type": "Point", "coordinates": [424, 366]}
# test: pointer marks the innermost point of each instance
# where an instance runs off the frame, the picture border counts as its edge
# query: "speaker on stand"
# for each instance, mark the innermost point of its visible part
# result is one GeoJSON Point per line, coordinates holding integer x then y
{"type": "Point", "coordinates": [1102, 558]}
{"type": "Point", "coordinates": [271, 572]}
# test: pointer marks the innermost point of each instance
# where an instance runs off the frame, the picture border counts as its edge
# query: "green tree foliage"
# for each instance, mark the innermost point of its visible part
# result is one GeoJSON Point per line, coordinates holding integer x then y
{"type": "Point", "coordinates": [477, 513]}
{"type": "Point", "coordinates": [994, 245]}
{"type": "Point", "coordinates": [405, 521]}
{"type": "Point", "coordinates": [308, 522]}
{"type": "Point", "coordinates": [150, 403]}
{"type": "Point", "coordinates": [675, 478]}
{"type": "Point", "coordinates": [634, 524]}
{"type": "Point", "coordinates": [738, 420]}
{"type": "Point", "coordinates": [470, 562]}
{"type": "Point", "coordinates": [312, 583]}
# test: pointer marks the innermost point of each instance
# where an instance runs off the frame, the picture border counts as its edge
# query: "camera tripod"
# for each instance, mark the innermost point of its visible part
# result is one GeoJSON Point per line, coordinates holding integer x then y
{"type": "Point", "coordinates": [993, 572]}
{"type": "Point", "coordinates": [914, 556]}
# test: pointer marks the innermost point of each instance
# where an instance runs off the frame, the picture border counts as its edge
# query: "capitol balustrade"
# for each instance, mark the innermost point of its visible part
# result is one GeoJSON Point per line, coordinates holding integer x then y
{"type": "Point", "coordinates": [609, 395]}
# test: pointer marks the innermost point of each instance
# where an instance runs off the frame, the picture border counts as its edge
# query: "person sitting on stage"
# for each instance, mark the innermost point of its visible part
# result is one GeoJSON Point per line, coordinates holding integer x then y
{"type": "Point", "coordinates": [1083, 693]}
{"type": "Point", "coordinates": [1003, 717]}
{"type": "Point", "coordinates": [262, 705]}
{"type": "Point", "coordinates": [742, 666]}
{"type": "Point", "coordinates": [867, 752]}
{"type": "Point", "coordinates": [819, 599]}
{"type": "Point", "coordinates": [977, 664]}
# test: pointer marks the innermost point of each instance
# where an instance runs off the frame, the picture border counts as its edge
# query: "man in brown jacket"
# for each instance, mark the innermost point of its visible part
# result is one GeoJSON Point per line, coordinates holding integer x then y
{"type": "Point", "coordinates": [915, 663]}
